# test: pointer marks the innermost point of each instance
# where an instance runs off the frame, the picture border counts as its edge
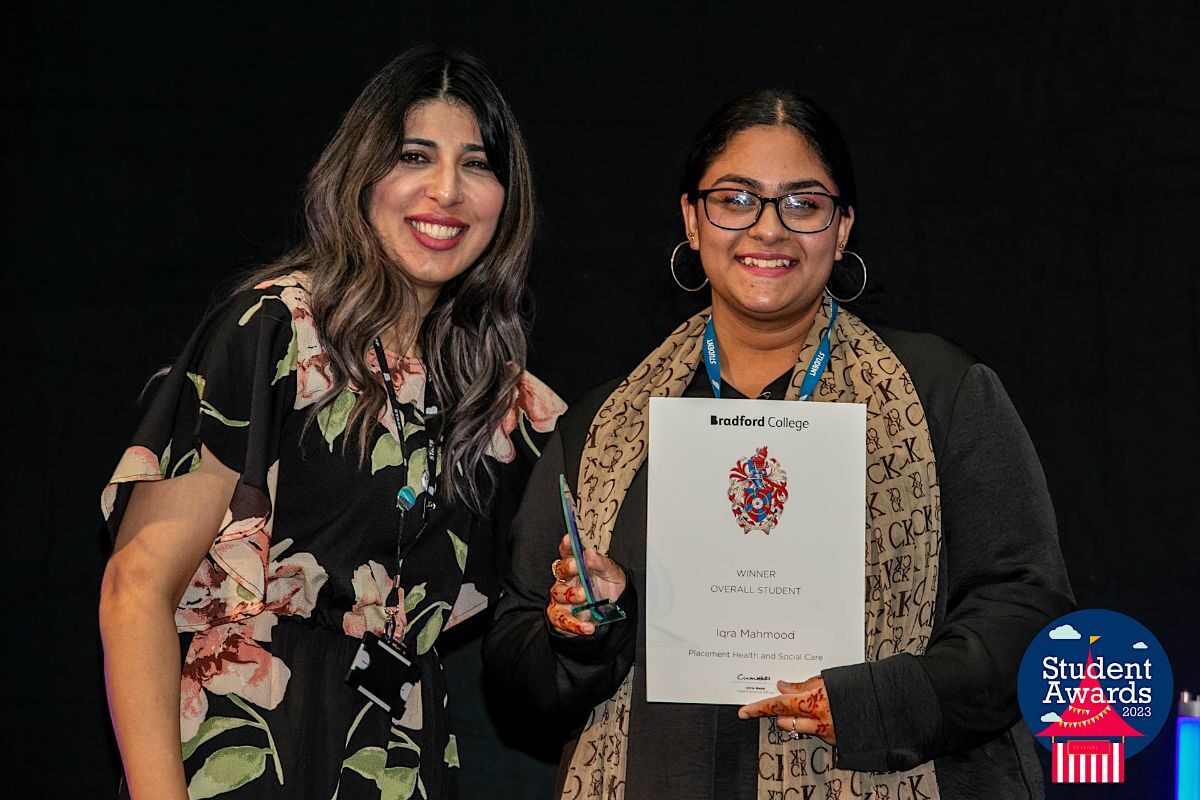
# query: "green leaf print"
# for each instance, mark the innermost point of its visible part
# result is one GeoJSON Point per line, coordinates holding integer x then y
{"type": "Point", "coordinates": [164, 463]}
{"type": "Point", "coordinates": [193, 456]}
{"type": "Point", "coordinates": [252, 310]}
{"type": "Point", "coordinates": [460, 550]}
{"type": "Point", "coordinates": [413, 596]}
{"type": "Point", "coordinates": [207, 408]}
{"type": "Point", "coordinates": [404, 740]}
{"type": "Point", "coordinates": [226, 770]}
{"type": "Point", "coordinates": [211, 727]}
{"type": "Point", "coordinates": [332, 418]}
{"type": "Point", "coordinates": [198, 382]}
{"type": "Point", "coordinates": [368, 762]}
{"type": "Point", "coordinates": [393, 783]}
{"type": "Point", "coordinates": [416, 468]}
{"type": "Point", "coordinates": [433, 627]}
{"type": "Point", "coordinates": [288, 362]}
{"type": "Point", "coordinates": [397, 783]}
{"type": "Point", "coordinates": [387, 453]}
{"type": "Point", "coordinates": [451, 757]}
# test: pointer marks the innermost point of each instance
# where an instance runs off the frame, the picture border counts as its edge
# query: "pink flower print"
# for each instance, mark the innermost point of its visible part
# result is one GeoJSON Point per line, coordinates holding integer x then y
{"type": "Point", "coordinates": [314, 375]}
{"type": "Point", "coordinates": [372, 585]}
{"type": "Point", "coordinates": [408, 381]}
{"type": "Point", "coordinates": [470, 601]}
{"type": "Point", "coordinates": [294, 583]}
{"type": "Point", "coordinates": [137, 464]}
{"type": "Point", "coordinates": [291, 279]}
{"type": "Point", "coordinates": [408, 376]}
{"type": "Point", "coordinates": [534, 400]}
{"type": "Point", "coordinates": [228, 659]}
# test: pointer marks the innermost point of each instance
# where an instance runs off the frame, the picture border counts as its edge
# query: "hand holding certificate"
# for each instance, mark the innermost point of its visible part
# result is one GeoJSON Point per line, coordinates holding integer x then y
{"type": "Point", "coordinates": [754, 548]}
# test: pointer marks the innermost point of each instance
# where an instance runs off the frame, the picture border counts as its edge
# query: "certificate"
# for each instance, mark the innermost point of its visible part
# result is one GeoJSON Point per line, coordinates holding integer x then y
{"type": "Point", "coordinates": [755, 545]}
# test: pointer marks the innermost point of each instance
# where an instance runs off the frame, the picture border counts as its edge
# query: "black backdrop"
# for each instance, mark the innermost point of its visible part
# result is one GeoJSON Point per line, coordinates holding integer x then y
{"type": "Point", "coordinates": [1027, 176]}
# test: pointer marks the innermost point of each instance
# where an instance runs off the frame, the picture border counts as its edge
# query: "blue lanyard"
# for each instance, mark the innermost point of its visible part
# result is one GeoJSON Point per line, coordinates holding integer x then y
{"type": "Point", "coordinates": [812, 375]}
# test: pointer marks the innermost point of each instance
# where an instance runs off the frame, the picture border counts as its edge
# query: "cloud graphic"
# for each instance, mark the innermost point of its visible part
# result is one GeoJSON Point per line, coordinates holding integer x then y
{"type": "Point", "coordinates": [1065, 632]}
{"type": "Point", "coordinates": [1141, 646]}
{"type": "Point", "coordinates": [1051, 717]}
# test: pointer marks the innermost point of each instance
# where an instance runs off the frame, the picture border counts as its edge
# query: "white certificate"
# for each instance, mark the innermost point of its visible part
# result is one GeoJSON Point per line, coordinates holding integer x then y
{"type": "Point", "coordinates": [755, 545]}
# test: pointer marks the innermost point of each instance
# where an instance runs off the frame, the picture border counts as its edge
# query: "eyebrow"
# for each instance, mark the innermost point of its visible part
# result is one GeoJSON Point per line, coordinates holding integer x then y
{"type": "Point", "coordinates": [751, 183]}
{"type": "Point", "coordinates": [432, 145]}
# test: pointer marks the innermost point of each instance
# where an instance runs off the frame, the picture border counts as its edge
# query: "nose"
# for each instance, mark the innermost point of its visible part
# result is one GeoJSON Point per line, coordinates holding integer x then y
{"type": "Point", "coordinates": [770, 227]}
{"type": "Point", "coordinates": [445, 184]}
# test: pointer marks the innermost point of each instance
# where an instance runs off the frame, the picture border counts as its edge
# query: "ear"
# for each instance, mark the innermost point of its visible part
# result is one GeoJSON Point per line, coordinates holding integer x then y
{"type": "Point", "coordinates": [690, 222]}
{"type": "Point", "coordinates": [845, 223]}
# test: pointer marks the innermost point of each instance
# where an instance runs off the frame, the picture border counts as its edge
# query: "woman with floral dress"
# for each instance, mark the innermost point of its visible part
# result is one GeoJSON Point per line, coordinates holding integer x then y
{"type": "Point", "coordinates": [335, 453]}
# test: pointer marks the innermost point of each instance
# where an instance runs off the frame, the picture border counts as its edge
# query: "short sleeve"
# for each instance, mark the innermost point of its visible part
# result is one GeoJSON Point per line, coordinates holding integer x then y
{"type": "Point", "coordinates": [229, 391]}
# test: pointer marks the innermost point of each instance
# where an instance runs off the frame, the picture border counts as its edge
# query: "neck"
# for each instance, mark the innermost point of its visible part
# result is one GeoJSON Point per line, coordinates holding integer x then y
{"type": "Point", "coordinates": [755, 352]}
{"type": "Point", "coordinates": [399, 339]}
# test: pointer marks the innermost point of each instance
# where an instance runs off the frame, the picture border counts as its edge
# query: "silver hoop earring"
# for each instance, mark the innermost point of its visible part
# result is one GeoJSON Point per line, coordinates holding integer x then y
{"type": "Point", "coordinates": [861, 289]}
{"type": "Point", "coordinates": [676, 277]}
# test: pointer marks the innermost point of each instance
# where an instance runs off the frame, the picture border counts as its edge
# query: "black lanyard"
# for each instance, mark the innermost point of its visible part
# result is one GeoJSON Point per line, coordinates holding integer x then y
{"type": "Point", "coordinates": [407, 496]}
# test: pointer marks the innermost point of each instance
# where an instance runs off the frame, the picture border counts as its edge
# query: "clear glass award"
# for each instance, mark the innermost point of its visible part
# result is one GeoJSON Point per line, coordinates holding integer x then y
{"type": "Point", "coordinates": [602, 611]}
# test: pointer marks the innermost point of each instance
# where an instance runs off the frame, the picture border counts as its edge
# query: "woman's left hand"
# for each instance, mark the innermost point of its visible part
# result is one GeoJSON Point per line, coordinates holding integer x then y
{"type": "Point", "coordinates": [800, 708]}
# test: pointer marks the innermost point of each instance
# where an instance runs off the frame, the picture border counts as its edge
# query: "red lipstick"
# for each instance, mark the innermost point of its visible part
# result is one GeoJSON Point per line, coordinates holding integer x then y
{"type": "Point", "coordinates": [432, 238]}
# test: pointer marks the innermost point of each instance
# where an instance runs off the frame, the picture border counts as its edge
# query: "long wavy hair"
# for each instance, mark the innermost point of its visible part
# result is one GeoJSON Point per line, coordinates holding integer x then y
{"type": "Point", "coordinates": [474, 339]}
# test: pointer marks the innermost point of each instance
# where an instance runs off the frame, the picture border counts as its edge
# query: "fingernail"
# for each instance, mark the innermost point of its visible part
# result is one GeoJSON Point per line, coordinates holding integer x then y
{"type": "Point", "coordinates": [743, 715]}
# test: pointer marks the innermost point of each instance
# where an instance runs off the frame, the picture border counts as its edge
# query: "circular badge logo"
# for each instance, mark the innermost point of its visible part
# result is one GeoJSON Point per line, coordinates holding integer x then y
{"type": "Point", "coordinates": [1095, 687]}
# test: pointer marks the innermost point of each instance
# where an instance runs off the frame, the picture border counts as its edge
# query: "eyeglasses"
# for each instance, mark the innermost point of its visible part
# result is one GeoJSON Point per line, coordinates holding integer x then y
{"type": "Point", "coordinates": [800, 212]}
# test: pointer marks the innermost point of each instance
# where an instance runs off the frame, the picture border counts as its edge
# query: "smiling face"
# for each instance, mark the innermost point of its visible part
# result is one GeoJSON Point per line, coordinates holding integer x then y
{"type": "Point", "coordinates": [766, 272]}
{"type": "Point", "coordinates": [437, 210]}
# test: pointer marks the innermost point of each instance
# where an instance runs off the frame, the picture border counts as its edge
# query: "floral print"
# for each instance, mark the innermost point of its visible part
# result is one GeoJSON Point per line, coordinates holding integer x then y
{"type": "Point", "coordinates": [372, 587]}
{"type": "Point", "coordinates": [533, 401]}
{"type": "Point", "coordinates": [228, 659]}
{"type": "Point", "coordinates": [271, 619]}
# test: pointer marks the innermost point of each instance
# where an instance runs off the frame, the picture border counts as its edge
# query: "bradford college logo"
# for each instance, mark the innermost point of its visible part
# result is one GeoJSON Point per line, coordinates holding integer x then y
{"type": "Point", "coordinates": [757, 492]}
{"type": "Point", "coordinates": [1095, 688]}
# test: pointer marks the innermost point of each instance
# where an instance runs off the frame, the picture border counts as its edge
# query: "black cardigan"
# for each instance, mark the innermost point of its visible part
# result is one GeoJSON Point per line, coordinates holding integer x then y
{"type": "Point", "coordinates": [1002, 579]}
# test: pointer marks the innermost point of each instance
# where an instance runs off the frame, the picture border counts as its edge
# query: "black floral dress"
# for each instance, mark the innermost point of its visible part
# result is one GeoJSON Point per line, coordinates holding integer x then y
{"type": "Point", "coordinates": [306, 559]}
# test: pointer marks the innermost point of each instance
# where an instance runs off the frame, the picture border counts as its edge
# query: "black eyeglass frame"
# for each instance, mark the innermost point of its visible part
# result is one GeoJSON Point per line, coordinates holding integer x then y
{"type": "Point", "coordinates": [763, 202]}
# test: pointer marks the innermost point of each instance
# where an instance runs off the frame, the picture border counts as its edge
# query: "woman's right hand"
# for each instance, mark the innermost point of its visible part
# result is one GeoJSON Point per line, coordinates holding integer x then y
{"type": "Point", "coordinates": [608, 582]}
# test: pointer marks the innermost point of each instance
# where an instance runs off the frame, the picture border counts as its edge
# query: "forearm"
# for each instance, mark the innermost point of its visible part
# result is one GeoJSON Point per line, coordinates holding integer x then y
{"type": "Point", "coordinates": [559, 674]}
{"type": "Point", "coordinates": [142, 674]}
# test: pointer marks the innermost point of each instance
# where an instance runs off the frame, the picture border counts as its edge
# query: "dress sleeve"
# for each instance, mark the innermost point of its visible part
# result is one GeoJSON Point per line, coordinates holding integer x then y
{"type": "Point", "coordinates": [229, 391]}
{"type": "Point", "coordinates": [1005, 580]}
{"type": "Point", "coordinates": [555, 672]}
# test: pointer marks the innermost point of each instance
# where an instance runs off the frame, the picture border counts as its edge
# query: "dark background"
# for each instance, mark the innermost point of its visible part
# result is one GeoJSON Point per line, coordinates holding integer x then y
{"type": "Point", "coordinates": [1027, 178]}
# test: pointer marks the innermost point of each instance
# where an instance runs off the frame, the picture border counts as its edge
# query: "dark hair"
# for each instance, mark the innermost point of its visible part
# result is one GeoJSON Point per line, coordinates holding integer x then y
{"type": "Point", "coordinates": [770, 107]}
{"type": "Point", "coordinates": [473, 339]}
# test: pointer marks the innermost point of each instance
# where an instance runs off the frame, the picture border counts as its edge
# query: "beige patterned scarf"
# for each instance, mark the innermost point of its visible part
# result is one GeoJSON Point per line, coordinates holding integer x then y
{"type": "Point", "coordinates": [901, 555]}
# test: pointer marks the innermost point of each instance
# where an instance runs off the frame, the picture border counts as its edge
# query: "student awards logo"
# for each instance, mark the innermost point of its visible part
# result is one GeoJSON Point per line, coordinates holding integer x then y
{"type": "Point", "coordinates": [1095, 688]}
{"type": "Point", "coordinates": [757, 492]}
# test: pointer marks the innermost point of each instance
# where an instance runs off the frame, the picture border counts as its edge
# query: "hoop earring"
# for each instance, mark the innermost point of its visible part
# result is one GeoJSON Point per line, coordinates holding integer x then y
{"type": "Point", "coordinates": [861, 289]}
{"type": "Point", "coordinates": [676, 277]}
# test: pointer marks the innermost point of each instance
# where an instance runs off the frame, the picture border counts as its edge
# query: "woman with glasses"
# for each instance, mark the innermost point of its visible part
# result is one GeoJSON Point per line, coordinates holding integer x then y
{"type": "Point", "coordinates": [318, 490]}
{"type": "Point", "coordinates": [768, 202]}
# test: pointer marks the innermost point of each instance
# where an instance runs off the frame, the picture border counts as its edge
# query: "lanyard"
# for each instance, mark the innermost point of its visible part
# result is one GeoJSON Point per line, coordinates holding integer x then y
{"type": "Point", "coordinates": [816, 367]}
{"type": "Point", "coordinates": [406, 496]}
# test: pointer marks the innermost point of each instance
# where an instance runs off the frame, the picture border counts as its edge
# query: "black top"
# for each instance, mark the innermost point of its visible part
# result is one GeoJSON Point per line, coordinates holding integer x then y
{"type": "Point", "coordinates": [1002, 580]}
{"type": "Point", "coordinates": [306, 560]}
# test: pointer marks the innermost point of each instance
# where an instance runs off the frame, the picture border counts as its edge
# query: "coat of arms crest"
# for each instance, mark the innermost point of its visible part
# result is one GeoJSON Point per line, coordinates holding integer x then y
{"type": "Point", "coordinates": [757, 492]}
